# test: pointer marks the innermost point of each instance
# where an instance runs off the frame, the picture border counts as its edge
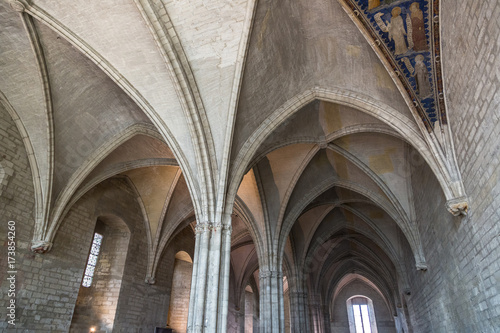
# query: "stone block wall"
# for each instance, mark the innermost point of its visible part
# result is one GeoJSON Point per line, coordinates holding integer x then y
{"type": "Point", "coordinates": [460, 291]}
{"type": "Point", "coordinates": [46, 285]}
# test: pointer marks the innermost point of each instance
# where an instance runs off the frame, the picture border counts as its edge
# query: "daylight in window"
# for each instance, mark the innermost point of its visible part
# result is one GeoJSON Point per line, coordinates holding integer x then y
{"type": "Point", "coordinates": [92, 262]}
{"type": "Point", "coordinates": [361, 318]}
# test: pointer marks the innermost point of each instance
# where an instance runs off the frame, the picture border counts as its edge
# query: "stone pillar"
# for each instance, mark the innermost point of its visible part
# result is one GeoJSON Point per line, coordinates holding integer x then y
{"type": "Point", "coordinates": [256, 321]}
{"type": "Point", "coordinates": [224, 277]}
{"type": "Point", "coordinates": [286, 306]}
{"type": "Point", "coordinates": [315, 311]}
{"type": "Point", "coordinates": [400, 320]}
{"type": "Point", "coordinates": [326, 318]}
{"type": "Point", "coordinates": [299, 311]}
{"type": "Point", "coordinates": [272, 315]}
{"type": "Point", "coordinates": [210, 282]}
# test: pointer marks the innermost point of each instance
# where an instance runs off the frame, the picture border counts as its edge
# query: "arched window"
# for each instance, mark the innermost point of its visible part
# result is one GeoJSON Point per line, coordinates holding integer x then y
{"type": "Point", "coordinates": [361, 315]}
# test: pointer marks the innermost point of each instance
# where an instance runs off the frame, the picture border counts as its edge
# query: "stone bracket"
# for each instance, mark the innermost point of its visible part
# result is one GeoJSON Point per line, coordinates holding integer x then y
{"type": "Point", "coordinates": [150, 280]}
{"type": "Point", "coordinates": [41, 246]}
{"type": "Point", "coordinates": [421, 266]}
{"type": "Point", "coordinates": [458, 206]}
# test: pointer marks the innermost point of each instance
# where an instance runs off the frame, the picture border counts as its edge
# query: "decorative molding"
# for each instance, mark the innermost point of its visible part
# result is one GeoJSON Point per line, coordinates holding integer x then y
{"type": "Point", "coordinates": [270, 274]}
{"type": "Point", "coordinates": [212, 227]}
{"type": "Point", "coordinates": [202, 227]}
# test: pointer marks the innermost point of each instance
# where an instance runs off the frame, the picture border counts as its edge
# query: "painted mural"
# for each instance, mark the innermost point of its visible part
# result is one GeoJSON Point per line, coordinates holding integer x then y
{"type": "Point", "coordinates": [408, 33]}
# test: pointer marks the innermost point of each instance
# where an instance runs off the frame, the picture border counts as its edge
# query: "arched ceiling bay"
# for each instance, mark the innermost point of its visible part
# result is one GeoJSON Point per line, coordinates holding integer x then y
{"type": "Point", "coordinates": [301, 45]}
{"type": "Point", "coordinates": [88, 107]}
{"type": "Point", "coordinates": [19, 68]}
{"type": "Point", "coordinates": [114, 32]}
{"type": "Point", "coordinates": [289, 96]}
{"type": "Point", "coordinates": [155, 186]}
{"type": "Point", "coordinates": [332, 185]}
{"type": "Point", "coordinates": [364, 157]}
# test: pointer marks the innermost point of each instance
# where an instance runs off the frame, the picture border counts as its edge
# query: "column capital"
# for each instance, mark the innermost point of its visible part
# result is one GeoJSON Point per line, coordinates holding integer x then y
{"type": "Point", "coordinates": [214, 226]}
{"type": "Point", "coordinates": [202, 227]}
{"type": "Point", "coordinates": [211, 226]}
{"type": "Point", "coordinates": [271, 274]}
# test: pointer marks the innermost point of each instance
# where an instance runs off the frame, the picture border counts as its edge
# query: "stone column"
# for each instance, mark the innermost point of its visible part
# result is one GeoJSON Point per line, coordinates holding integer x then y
{"type": "Point", "coordinates": [224, 277]}
{"type": "Point", "coordinates": [315, 311]}
{"type": "Point", "coordinates": [326, 318]}
{"type": "Point", "coordinates": [210, 282]}
{"type": "Point", "coordinates": [272, 315]}
{"type": "Point", "coordinates": [256, 320]}
{"type": "Point", "coordinates": [199, 280]}
{"type": "Point", "coordinates": [400, 320]}
{"type": "Point", "coordinates": [300, 311]}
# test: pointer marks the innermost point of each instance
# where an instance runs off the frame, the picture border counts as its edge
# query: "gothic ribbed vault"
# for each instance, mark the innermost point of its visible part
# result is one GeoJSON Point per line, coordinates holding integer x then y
{"type": "Point", "coordinates": [291, 138]}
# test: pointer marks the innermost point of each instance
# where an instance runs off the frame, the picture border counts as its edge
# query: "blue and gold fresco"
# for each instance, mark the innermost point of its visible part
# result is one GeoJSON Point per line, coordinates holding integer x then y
{"type": "Point", "coordinates": [405, 30]}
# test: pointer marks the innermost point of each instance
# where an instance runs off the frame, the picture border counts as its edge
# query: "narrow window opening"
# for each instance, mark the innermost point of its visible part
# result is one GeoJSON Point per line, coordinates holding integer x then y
{"type": "Point", "coordinates": [361, 315]}
{"type": "Point", "coordinates": [92, 260]}
{"type": "Point", "coordinates": [361, 318]}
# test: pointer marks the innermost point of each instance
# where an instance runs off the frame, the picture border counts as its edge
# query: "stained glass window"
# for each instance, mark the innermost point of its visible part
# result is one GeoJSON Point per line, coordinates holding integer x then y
{"type": "Point", "coordinates": [92, 261]}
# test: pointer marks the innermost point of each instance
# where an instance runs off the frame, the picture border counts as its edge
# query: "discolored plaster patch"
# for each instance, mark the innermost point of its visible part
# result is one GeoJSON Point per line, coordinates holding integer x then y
{"type": "Point", "coordinates": [329, 117]}
{"type": "Point", "coordinates": [382, 77]}
{"type": "Point", "coordinates": [353, 50]}
{"type": "Point", "coordinates": [376, 214]}
{"type": "Point", "coordinates": [339, 163]}
{"type": "Point", "coordinates": [263, 28]}
{"type": "Point", "coordinates": [343, 142]}
{"type": "Point", "coordinates": [382, 163]}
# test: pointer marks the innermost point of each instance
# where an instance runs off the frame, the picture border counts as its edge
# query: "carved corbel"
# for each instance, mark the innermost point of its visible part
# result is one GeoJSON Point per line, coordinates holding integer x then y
{"type": "Point", "coordinates": [458, 206]}
{"type": "Point", "coordinates": [150, 280]}
{"type": "Point", "coordinates": [41, 246]}
{"type": "Point", "coordinates": [421, 266]}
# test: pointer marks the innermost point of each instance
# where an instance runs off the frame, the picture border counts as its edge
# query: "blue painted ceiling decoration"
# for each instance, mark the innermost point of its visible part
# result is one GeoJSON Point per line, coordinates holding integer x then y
{"type": "Point", "coordinates": [407, 33]}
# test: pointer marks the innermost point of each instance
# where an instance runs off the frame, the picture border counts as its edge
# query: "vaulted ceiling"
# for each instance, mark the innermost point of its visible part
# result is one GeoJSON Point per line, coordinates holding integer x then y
{"type": "Point", "coordinates": [287, 111]}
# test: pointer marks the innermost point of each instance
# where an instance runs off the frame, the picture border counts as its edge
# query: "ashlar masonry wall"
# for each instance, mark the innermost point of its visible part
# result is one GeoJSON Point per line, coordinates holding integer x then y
{"type": "Point", "coordinates": [460, 292]}
{"type": "Point", "coordinates": [47, 285]}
